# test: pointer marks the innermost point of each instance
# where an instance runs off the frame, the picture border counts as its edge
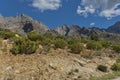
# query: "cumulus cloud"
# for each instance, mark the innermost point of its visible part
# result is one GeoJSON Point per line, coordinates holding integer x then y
{"type": "Point", "coordinates": [104, 8]}
{"type": "Point", "coordinates": [46, 4]}
{"type": "Point", "coordinates": [85, 10]}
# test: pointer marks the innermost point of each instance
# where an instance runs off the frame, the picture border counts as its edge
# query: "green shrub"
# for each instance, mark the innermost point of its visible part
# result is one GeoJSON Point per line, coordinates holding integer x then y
{"type": "Point", "coordinates": [116, 48]}
{"type": "Point", "coordinates": [33, 36]}
{"type": "Point", "coordinates": [118, 60]}
{"type": "Point", "coordinates": [23, 46]}
{"type": "Point", "coordinates": [48, 35]}
{"type": "Point", "coordinates": [46, 42]}
{"type": "Point", "coordinates": [106, 44]}
{"type": "Point", "coordinates": [7, 34]}
{"type": "Point", "coordinates": [116, 65]}
{"type": "Point", "coordinates": [102, 68]}
{"type": "Point", "coordinates": [76, 48]}
{"type": "Point", "coordinates": [60, 37]}
{"type": "Point", "coordinates": [60, 43]}
{"type": "Point", "coordinates": [94, 45]}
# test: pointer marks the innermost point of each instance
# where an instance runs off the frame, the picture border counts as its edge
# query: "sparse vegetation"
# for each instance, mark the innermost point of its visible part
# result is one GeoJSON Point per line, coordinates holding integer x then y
{"type": "Point", "coordinates": [60, 43]}
{"type": "Point", "coordinates": [6, 34]}
{"type": "Point", "coordinates": [33, 36]}
{"type": "Point", "coordinates": [94, 45]}
{"type": "Point", "coordinates": [106, 44]}
{"type": "Point", "coordinates": [116, 48]}
{"type": "Point", "coordinates": [23, 46]}
{"type": "Point", "coordinates": [76, 47]}
{"type": "Point", "coordinates": [116, 65]}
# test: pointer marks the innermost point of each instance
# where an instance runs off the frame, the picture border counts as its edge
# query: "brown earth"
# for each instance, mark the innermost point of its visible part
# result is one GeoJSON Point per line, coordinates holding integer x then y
{"type": "Point", "coordinates": [55, 65]}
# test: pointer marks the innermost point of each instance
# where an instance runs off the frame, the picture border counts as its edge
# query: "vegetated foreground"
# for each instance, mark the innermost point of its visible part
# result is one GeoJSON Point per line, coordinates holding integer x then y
{"type": "Point", "coordinates": [48, 57]}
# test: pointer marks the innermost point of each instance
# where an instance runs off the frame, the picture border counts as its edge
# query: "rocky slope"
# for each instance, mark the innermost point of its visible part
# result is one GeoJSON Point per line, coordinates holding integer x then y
{"type": "Point", "coordinates": [58, 64]}
{"type": "Point", "coordinates": [114, 28]}
{"type": "Point", "coordinates": [76, 30]}
{"type": "Point", "coordinates": [22, 24]}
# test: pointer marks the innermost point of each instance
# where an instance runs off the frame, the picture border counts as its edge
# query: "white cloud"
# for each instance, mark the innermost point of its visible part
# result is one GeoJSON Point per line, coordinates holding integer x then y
{"type": "Point", "coordinates": [46, 4]}
{"type": "Point", "coordinates": [110, 13]}
{"type": "Point", "coordinates": [85, 10]}
{"type": "Point", "coordinates": [92, 24]}
{"type": "Point", "coordinates": [104, 8]}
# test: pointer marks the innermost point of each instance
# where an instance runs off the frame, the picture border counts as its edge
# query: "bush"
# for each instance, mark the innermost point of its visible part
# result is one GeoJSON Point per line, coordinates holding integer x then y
{"type": "Point", "coordinates": [33, 36]}
{"type": "Point", "coordinates": [106, 44]}
{"type": "Point", "coordinates": [46, 42]}
{"type": "Point", "coordinates": [116, 48]}
{"type": "Point", "coordinates": [94, 45]}
{"type": "Point", "coordinates": [71, 40]}
{"type": "Point", "coordinates": [102, 68]}
{"type": "Point", "coordinates": [7, 34]}
{"type": "Point", "coordinates": [23, 46]}
{"type": "Point", "coordinates": [60, 43]}
{"type": "Point", "coordinates": [116, 65]}
{"type": "Point", "coordinates": [76, 48]}
{"type": "Point", "coordinates": [48, 35]}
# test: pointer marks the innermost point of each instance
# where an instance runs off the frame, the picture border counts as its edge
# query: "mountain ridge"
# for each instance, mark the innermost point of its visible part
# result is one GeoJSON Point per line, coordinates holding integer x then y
{"type": "Point", "coordinates": [23, 24]}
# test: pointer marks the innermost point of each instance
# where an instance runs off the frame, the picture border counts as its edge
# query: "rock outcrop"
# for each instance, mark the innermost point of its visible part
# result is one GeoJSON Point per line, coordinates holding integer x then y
{"type": "Point", "coordinates": [22, 24]}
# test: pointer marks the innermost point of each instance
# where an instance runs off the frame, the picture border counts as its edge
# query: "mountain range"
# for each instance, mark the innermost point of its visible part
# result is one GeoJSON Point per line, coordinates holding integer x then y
{"type": "Point", "coordinates": [24, 24]}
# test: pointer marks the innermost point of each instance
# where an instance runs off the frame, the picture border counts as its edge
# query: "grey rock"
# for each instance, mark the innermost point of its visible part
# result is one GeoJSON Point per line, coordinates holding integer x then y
{"type": "Point", "coordinates": [23, 24]}
{"type": "Point", "coordinates": [63, 30]}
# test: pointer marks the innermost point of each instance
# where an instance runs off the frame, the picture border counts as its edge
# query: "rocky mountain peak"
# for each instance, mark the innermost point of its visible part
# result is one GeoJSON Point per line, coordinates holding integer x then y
{"type": "Point", "coordinates": [63, 30]}
{"type": "Point", "coordinates": [23, 24]}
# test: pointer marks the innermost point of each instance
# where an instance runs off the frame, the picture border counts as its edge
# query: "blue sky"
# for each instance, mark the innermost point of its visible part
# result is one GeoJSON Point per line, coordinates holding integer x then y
{"type": "Point", "coordinates": [53, 13]}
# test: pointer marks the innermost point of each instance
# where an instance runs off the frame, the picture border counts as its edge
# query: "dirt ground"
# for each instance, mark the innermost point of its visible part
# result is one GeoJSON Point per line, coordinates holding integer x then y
{"type": "Point", "coordinates": [55, 65]}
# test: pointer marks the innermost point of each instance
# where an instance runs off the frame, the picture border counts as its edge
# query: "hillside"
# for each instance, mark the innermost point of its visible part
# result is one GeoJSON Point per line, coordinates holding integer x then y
{"type": "Point", "coordinates": [30, 50]}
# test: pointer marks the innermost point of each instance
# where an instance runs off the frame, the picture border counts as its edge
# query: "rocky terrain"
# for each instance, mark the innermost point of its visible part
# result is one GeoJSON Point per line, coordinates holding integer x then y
{"type": "Point", "coordinates": [22, 24]}
{"type": "Point", "coordinates": [56, 63]}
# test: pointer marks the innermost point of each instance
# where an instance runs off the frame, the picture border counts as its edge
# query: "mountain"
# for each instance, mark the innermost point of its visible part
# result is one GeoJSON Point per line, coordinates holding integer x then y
{"type": "Point", "coordinates": [22, 24]}
{"type": "Point", "coordinates": [76, 30]}
{"type": "Point", "coordinates": [114, 28]}
{"type": "Point", "coordinates": [62, 30]}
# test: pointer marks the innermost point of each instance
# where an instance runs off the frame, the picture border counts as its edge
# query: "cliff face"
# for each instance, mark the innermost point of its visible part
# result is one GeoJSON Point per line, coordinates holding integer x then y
{"type": "Point", "coordinates": [63, 30]}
